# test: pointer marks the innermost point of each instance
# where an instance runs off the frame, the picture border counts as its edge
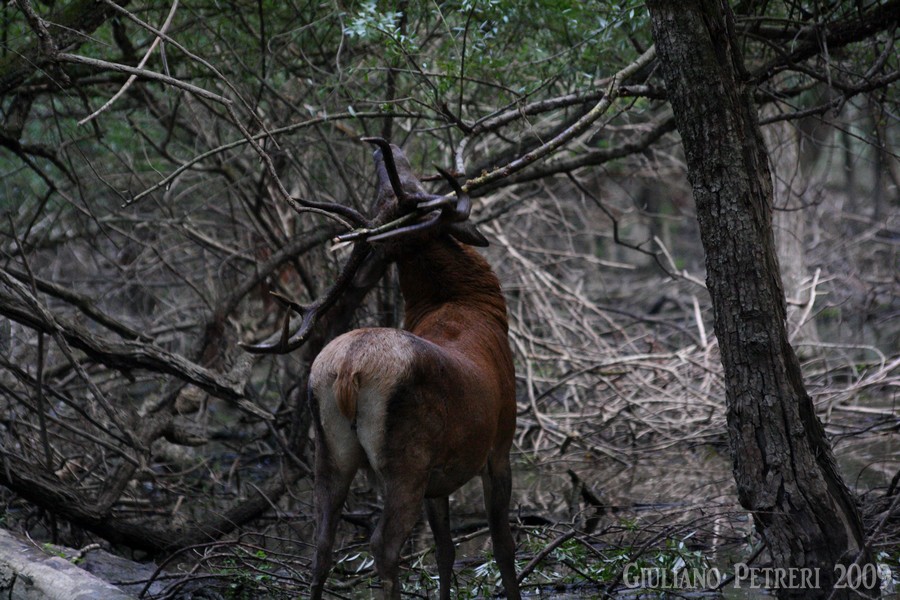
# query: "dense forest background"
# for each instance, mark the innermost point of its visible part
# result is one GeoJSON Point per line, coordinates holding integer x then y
{"type": "Point", "coordinates": [152, 156]}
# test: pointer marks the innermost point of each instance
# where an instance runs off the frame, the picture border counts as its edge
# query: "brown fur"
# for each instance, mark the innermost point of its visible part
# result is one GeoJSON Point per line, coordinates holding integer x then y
{"type": "Point", "coordinates": [427, 408]}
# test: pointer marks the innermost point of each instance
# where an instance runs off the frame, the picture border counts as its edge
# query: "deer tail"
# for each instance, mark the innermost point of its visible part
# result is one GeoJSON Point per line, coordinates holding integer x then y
{"type": "Point", "coordinates": [346, 392]}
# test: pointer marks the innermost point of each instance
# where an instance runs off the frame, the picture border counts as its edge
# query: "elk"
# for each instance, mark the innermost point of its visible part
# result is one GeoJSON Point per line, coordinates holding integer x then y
{"type": "Point", "coordinates": [425, 408]}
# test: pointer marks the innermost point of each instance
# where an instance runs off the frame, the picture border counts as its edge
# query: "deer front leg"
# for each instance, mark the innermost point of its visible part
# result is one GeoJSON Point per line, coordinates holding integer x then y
{"type": "Point", "coordinates": [497, 483]}
{"type": "Point", "coordinates": [438, 511]}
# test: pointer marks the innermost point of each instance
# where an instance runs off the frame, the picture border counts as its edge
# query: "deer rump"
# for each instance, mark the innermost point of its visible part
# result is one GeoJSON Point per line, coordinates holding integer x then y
{"type": "Point", "coordinates": [391, 400]}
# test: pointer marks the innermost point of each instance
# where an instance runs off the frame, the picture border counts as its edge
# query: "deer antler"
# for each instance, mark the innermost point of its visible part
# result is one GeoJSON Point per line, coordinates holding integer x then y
{"type": "Point", "coordinates": [436, 208]}
{"type": "Point", "coordinates": [310, 313]}
{"type": "Point", "coordinates": [459, 206]}
{"type": "Point", "coordinates": [430, 211]}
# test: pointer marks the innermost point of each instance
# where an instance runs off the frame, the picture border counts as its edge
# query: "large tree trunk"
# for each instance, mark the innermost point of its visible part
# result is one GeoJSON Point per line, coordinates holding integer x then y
{"type": "Point", "coordinates": [783, 464]}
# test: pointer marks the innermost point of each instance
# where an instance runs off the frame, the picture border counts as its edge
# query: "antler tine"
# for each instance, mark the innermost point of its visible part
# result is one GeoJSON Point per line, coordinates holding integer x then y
{"type": "Point", "coordinates": [348, 212]}
{"type": "Point", "coordinates": [462, 202]}
{"type": "Point", "coordinates": [433, 219]}
{"type": "Point", "coordinates": [388, 155]}
{"type": "Point", "coordinates": [311, 313]}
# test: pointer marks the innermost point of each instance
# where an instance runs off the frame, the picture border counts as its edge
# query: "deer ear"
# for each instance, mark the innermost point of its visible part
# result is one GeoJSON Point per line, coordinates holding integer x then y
{"type": "Point", "coordinates": [467, 233]}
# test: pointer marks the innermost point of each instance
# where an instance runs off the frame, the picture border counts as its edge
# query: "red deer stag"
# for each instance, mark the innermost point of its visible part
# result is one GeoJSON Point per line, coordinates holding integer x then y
{"type": "Point", "coordinates": [426, 407]}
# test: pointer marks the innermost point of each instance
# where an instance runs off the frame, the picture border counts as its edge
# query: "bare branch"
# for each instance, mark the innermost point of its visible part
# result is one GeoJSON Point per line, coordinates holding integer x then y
{"type": "Point", "coordinates": [126, 355]}
{"type": "Point", "coordinates": [612, 92]}
{"type": "Point", "coordinates": [105, 65]}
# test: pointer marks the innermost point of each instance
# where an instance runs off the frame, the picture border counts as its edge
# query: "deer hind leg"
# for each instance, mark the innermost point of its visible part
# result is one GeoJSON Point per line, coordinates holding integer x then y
{"type": "Point", "coordinates": [497, 483]}
{"type": "Point", "coordinates": [438, 511]}
{"type": "Point", "coordinates": [334, 471]}
{"type": "Point", "coordinates": [403, 495]}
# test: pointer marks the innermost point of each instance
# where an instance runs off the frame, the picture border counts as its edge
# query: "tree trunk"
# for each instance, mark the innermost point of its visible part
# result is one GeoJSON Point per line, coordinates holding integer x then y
{"type": "Point", "coordinates": [783, 464]}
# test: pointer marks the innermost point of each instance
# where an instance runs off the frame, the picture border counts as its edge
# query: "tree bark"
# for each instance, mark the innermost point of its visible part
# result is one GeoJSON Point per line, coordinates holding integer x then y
{"type": "Point", "coordinates": [783, 463]}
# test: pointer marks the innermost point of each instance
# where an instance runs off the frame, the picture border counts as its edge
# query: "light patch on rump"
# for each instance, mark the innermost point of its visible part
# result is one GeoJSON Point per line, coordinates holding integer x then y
{"type": "Point", "coordinates": [352, 380]}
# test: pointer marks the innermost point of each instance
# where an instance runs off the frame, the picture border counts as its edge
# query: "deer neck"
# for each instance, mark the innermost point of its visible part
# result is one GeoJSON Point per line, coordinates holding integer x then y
{"type": "Point", "coordinates": [443, 280]}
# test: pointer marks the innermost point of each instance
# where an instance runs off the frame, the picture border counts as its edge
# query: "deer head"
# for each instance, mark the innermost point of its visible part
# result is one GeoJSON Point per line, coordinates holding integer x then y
{"type": "Point", "coordinates": [405, 214]}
